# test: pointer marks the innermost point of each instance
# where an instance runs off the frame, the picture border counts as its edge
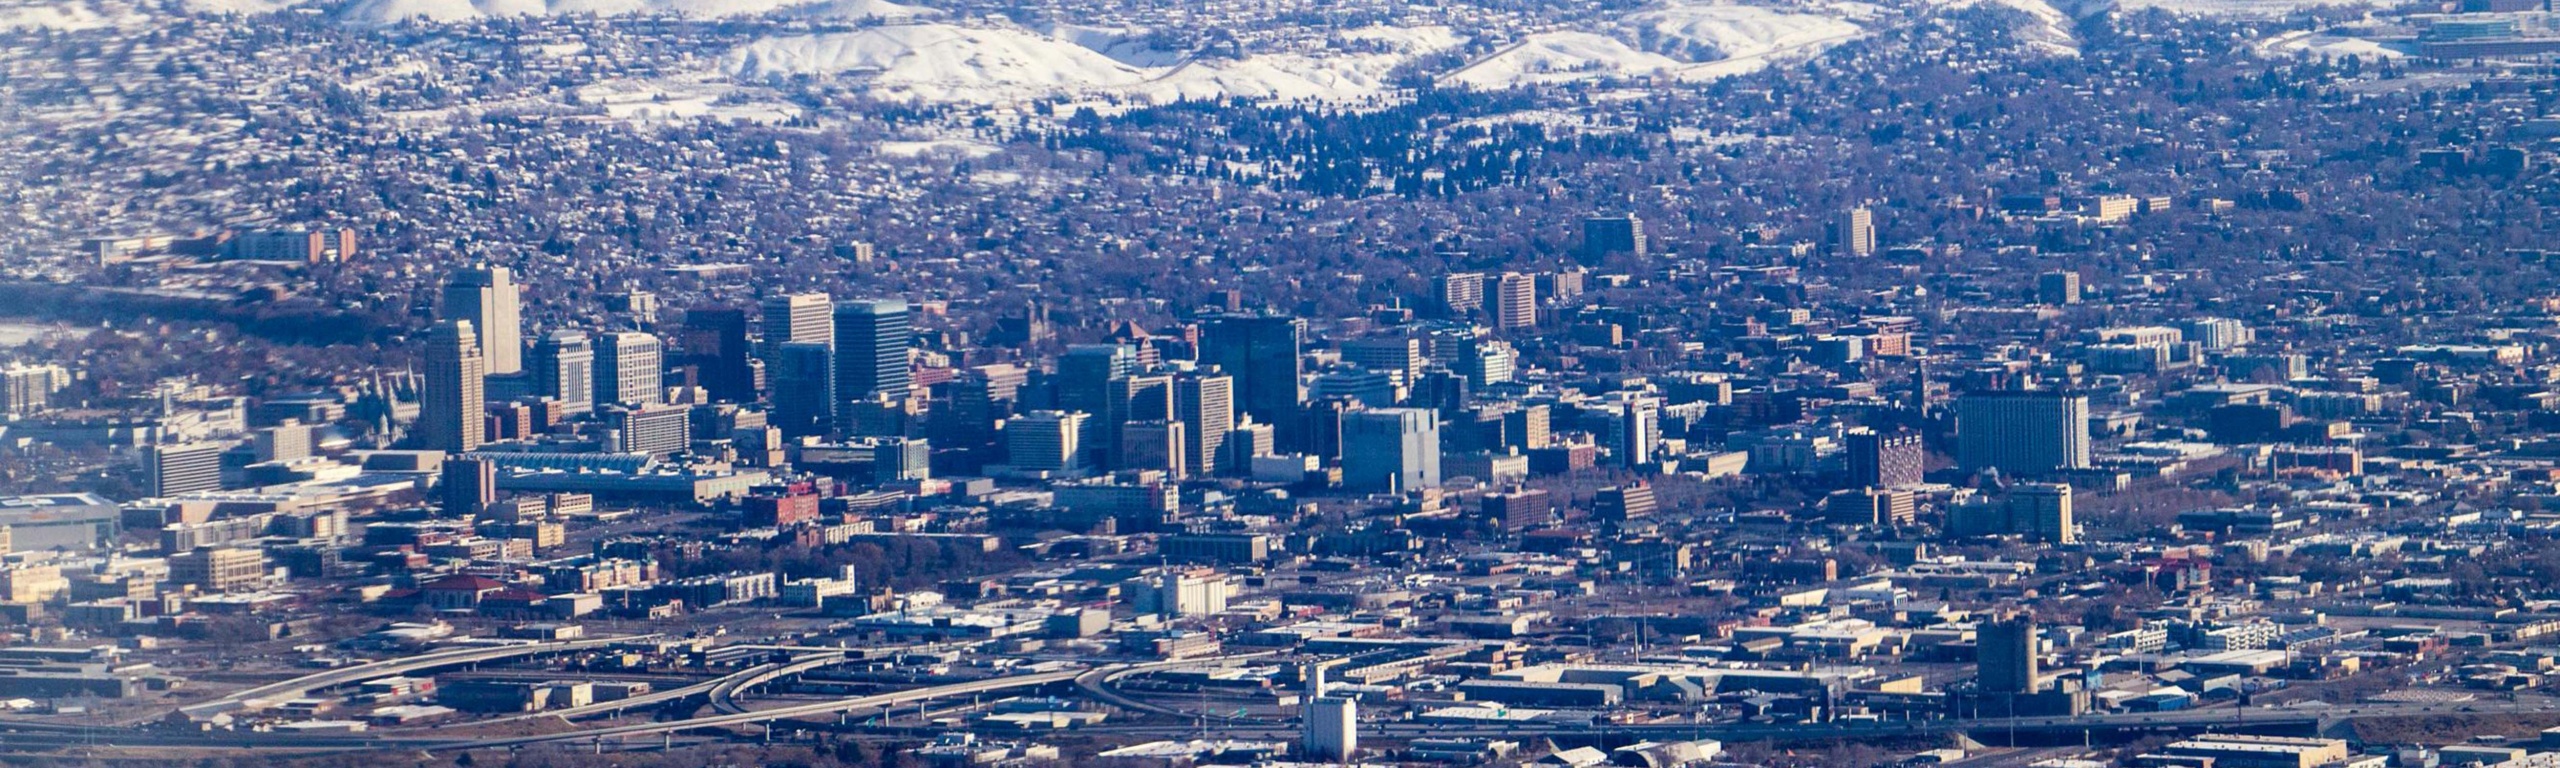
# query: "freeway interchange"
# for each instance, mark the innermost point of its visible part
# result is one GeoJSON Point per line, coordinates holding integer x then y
{"type": "Point", "coordinates": [728, 697]}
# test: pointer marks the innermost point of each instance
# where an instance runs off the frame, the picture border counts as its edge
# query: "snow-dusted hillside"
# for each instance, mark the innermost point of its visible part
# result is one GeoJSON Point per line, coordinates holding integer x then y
{"type": "Point", "coordinates": [950, 62]}
{"type": "Point", "coordinates": [939, 62]}
{"type": "Point", "coordinates": [387, 11]}
{"type": "Point", "coordinates": [1687, 41]}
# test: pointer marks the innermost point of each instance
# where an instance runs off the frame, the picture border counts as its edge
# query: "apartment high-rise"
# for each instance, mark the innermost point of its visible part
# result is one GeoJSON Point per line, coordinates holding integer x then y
{"type": "Point", "coordinates": [27, 389]}
{"type": "Point", "coordinates": [804, 388]}
{"type": "Point", "coordinates": [1619, 504]}
{"type": "Point", "coordinates": [2058, 287]}
{"type": "Point", "coordinates": [1514, 301]}
{"type": "Point", "coordinates": [490, 299]}
{"type": "Point", "coordinates": [563, 367]}
{"type": "Point", "coordinates": [1854, 232]}
{"type": "Point", "coordinates": [2042, 511]}
{"type": "Point", "coordinates": [169, 470]}
{"type": "Point", "coordinates": [452, 412]}
{"type": "Point", "coordinates": [1880, 459]}
{"type": "Point", "coordinates": [1605, 235]}
{"type": "Point", "coordinates": [798, 318]}
{"type": "Point", "coordinates": [1205, 404]}
{"type": "Point", "coordinates": [1391, 450]}
{"type": "Point", "coordinates": [629, 368]}
{"type": "Point", "coordinates": [2022, 432]}
{"type": "Point", "coordinates": [1458, 294]}
{"type": "Point", "coordinates": [872, 338]}
{"type": "Point", "coordinates": [1263, 354]}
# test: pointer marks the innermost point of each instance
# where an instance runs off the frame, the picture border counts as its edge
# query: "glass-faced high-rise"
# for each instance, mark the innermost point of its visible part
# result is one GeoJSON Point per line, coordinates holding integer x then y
{"type": "Point", "coordinates": [872, 338]}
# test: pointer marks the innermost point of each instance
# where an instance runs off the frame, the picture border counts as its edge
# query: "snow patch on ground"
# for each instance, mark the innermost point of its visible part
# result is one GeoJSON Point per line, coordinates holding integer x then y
{"type": "Point", "coordinates": [667, 100]}
{"type": "Point", "coordinates": [2326, 45]}
{"type": "Point", "coordinates": [938, 147]}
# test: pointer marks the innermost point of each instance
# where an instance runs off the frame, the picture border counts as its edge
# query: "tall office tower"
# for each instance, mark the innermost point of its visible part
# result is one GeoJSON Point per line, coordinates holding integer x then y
{"type": "Point", "coordinates": [1391, 450]}
{"type": "Point", "coordinates": [452, 413]}
{"type": "Point", "coordinates": [2042, 511]}
{"type": "Point", "coordinates": [1401, 355]}
{"type": "Point", "coordinates": [872, 338]}
{"type": "Point", "coordinates": [715, 343]}
{"type": "Point", "coordinates": [629, 366]}
{"type": "Point", "coordinates": [2005, 654]}
{"type": "Point", "coordinates": [1323, 429]}
{"type": "Point", "coordinates": [469, 486]}
{"type": "Point", "coordinates": [2061, 287]}
{"type": "Point", "coordinates": [1155, 445]}
{"type": "Point", "coordinates": [1442, 390]}
{"type": "Point", "coordinates": [1635, 430]}
{"type": "Point", "coordinates": [1604, 235]}
{"type": "Point", "coordinates": [1092, 378]}
{"type": "Point", "coordinates": [1046, 441]}
{"type": "Point", "coordinates": [799, 318]}
{"type": "Point", "coordinates": [1085, 372]}
{"type": "Point", "coordinates": [966, 416]}
{"type": "Point", "coordinates": [1142, 397]}
{"type": "Point", "coordinates": [1882, 459]}
{"type": "Point", "coordinates": [1205, 404]}
{"type": "Point", "coordinates": [804, 388]}
{"type": "Point", "coordinates": [1332, 722]}
{"type": "Point", "coordinates": [563, 367]}
{"type": "Point", "coordinates": [169, 470]}
{"type": "Point", "coordinates": [1458, 294]}
{"type": "Point", "coordinates": [1262, 353]}
{"type": "Point", "coordinates": [2022, 432]}
{"type": "Point", "coordinates": [1854, 233]}
{"type": "Point", "coordinates": [1514, 301]}
{"type": "Point", "coordinates": [491, 300]}
{"type": "Point", "coordinates": [657, 430]}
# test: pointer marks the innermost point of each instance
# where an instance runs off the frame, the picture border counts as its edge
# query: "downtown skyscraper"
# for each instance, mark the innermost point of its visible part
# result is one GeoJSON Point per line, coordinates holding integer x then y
{"type": "Point", "coordinates": [452, 411]}
{"type": "Point", "coordinates": [490, 299]}
{"type": "Point", "coordinates": [872, 338]}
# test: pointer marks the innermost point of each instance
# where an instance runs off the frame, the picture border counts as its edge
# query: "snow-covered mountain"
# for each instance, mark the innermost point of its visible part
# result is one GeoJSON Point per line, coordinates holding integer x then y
{"type": "Point", "coordinates": [951, 62]}
{"type": "Point", "coordinates": [387, 11]}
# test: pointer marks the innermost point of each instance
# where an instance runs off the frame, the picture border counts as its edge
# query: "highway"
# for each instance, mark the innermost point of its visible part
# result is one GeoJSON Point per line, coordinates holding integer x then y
{"type": "Point", "coordinates": [1096, 684]}
{"type": "Point", "coordinates": [882, 700]}
{"type": "Point", "coordinates": [303, 686]}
